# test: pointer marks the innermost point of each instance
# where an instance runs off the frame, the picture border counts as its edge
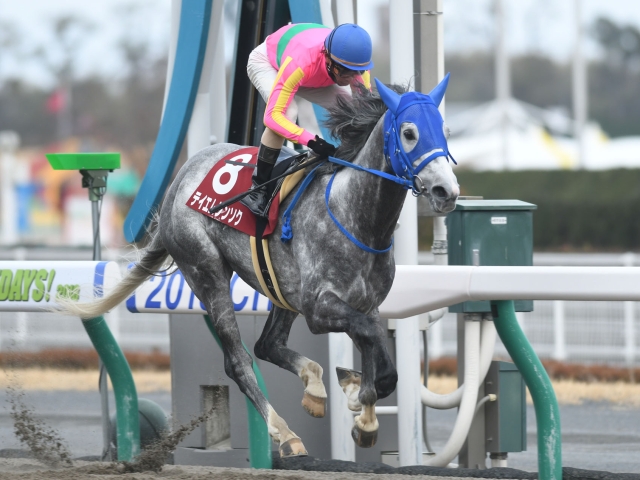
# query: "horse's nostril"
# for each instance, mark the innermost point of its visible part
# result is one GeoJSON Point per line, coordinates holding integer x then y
{"type": "Point", "coordinates": [439, 192]}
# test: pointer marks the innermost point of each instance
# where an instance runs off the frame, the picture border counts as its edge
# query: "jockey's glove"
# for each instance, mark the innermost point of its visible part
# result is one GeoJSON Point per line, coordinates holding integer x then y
{"type": "Point", "coordinates": [322, 147]}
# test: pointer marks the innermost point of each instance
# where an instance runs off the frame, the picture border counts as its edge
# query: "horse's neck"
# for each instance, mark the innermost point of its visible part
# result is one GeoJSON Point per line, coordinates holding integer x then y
{"type": "Point", "coordinates": [377, 201]}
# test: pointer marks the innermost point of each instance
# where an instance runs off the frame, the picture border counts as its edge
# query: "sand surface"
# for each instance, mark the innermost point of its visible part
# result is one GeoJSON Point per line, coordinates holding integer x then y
{"type": "Point", "coordinates": [26, 469]}
{"type": "Point", "coordinates": [569, 392]}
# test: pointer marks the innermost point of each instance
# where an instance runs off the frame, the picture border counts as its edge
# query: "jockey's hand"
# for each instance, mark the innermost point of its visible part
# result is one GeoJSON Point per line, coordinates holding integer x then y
{"type": "Point", "coordinates": [322, 147]}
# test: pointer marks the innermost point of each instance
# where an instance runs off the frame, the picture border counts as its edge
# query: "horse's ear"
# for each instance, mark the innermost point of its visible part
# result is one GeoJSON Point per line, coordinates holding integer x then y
{"type": "Point", "coordinates": [390, 98]}
{"type": "Point", "coordinates": [437, 93]}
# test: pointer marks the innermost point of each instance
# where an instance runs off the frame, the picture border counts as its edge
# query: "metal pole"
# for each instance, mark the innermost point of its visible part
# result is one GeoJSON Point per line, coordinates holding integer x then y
{"type": "Point", "coordinates": [560, 342]}
{"type": "Point", "coordinates": [537, 380]}
{"type": "Point", "coordinates": [580, 95]}
{"type": "Point", "coordinates": [128, 421]}
{"type": "Point", "coordinates": [406, 253]}
{"type": "Point", "coordinates": [340, 345]}
{"type": "Point", "coordinates": [428, 22]}
{"type": "Point", "coordinates": [629, 319]}
{"type": "Point", "coordinates": [9, 143]}
{"type": "Point", "coordinates": [210, 100]}
{"type": "Point", "coordinates": [629, 333]}
{"type": "Point", "coordinates": [503, 82]}
{"type": "Point", "coordinates": [340, 355]}
{"type": "Point", "coordinates": [259, 440]}
{"type": "Point", "coordinates": [102, 382]}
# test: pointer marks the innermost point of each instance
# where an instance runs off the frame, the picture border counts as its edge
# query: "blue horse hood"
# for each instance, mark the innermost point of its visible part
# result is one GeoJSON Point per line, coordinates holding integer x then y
{"type": "Point", "coordinates": [421, 110]}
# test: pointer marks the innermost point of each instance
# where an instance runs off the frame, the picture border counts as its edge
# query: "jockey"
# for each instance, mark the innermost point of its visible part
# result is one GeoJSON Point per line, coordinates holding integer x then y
{"type": "Point", "coordinates": [315, 63]}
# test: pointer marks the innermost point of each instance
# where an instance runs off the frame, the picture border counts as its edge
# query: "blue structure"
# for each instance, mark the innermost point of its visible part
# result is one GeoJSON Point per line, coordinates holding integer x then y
{"type": "Point", "coordinates": [192, 42]}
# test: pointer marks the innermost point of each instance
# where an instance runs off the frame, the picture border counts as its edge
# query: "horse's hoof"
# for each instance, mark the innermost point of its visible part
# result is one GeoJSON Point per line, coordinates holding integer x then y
{"type": "Point", "coordinates": [346, 376]}
{"type": "Point", "coordinates": [292, 448]}
{"type": "Point", "coordinates": [364, 439]}
{"type": "Point", "coordinates": [315, 406]}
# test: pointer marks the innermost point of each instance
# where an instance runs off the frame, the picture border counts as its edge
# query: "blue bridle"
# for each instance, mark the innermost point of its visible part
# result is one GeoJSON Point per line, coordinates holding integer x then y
{"type": "Point", "coordinates": [414, 107]}
{"type": "Point", "coordinates": [422, 111]}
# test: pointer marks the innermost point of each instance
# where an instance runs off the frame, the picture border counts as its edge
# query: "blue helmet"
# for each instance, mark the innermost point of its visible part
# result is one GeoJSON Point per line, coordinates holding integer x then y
{"type": "Point", "coordinates": [350, 46]}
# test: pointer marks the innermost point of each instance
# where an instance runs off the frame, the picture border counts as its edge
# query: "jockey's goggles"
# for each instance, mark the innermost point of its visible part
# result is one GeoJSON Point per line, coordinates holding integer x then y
{"type": "Point", "coordinates": [346, 72]}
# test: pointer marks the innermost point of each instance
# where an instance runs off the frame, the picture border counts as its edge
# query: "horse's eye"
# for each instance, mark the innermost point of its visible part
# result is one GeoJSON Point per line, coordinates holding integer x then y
{"type": "Point", "coordinates": [446, 130]}
{"type": "Point", "coordinates": [408, 134]}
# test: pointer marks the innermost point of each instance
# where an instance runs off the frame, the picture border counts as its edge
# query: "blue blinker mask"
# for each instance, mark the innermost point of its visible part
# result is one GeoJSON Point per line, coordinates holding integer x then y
{"type": "Point", "coordinates": [421, 110]}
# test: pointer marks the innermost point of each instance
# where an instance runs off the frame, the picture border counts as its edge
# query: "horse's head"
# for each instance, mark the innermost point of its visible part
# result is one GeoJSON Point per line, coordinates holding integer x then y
{"type": "Point", "coordinates": [415, 142]}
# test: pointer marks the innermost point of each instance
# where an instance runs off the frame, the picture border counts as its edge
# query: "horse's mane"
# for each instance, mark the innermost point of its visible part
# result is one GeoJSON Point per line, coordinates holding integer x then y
{"type": "Point", "coordinates": [352, 119]}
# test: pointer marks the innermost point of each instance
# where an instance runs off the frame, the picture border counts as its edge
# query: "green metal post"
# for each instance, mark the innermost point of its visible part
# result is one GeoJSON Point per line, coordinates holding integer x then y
{"type": "Point", "coordinates": [259, 439]}
{"type": "Point", "coordinates": [537, 380]}
{"type": "Point", "coordinates": [124, 389]}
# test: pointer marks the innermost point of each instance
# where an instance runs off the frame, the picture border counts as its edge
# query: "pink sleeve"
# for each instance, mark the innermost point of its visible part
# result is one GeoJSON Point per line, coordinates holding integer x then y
{"type": "Point", "coordinates": [284, 89]}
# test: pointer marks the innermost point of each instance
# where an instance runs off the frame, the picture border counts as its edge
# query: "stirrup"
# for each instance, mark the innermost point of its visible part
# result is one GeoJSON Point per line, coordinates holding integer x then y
{"type": "Point", "coordinates": [256, 201]}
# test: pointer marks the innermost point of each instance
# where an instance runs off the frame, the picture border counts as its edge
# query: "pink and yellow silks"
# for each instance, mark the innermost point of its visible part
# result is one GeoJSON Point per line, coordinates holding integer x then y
{"type": "Point", "coordinates": [296, 52]}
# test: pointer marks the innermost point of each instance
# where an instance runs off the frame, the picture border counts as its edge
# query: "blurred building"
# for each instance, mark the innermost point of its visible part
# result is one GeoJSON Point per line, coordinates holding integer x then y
{"type": "Point", "coordinates": [526, 137]}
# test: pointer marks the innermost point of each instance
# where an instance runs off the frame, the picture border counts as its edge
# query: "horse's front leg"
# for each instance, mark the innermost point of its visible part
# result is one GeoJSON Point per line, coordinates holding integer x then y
{"type": "Point", "coordinates": [272, 347]}
{"type": "Point", "coordinates": [379, 376]}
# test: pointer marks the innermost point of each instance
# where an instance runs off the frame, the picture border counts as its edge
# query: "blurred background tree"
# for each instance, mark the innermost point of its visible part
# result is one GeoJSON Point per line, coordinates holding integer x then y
{"type": "Point", "coordinates": [126, 109]}
{"type": "Point", "coordinates": [122, 110]}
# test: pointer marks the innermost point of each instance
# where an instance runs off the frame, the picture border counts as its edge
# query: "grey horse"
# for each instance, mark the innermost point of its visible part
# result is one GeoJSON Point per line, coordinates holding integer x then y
{"type": "Point", "coordinates": [336, 285]}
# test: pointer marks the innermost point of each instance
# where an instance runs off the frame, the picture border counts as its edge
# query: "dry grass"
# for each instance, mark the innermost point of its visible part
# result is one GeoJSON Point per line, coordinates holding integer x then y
{"type": "Point", "coordinates": [50, 379]}
{"type": "Point", "coordinates": [447, 366]}
{"type": "Point", "coordinates": [568, 392]}
{"type": "Point", "coordinates": [78, 370]}
{"type": "Point", "coordinates": [75, 359]}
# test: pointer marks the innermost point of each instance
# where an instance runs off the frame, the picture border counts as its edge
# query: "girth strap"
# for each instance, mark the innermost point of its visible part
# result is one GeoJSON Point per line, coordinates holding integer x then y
{"type": "Point", "coordinates": [264, 269]}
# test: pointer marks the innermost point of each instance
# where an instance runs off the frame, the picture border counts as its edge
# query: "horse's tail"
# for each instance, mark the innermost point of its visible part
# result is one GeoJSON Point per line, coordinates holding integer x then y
{"type": "Point", "coordinates": [153, 257]}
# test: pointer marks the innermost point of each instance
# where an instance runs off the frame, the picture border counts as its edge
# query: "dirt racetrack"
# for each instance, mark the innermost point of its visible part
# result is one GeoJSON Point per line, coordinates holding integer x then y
{"type": "Point", "coordinates": [617, 395]}
{"type": "Point", "coordinates": [27, 469]}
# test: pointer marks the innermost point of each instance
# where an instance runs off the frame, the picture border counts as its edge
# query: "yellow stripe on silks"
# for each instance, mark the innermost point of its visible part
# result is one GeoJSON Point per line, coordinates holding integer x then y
{"type": "Point", "coordinates": [280, 72]}
{"type": "Point", "coordinates": [256, 268]}
{"type": "Point", "coordinates": [366, 78]}
{"type": "Point", "coordinates": [267, 259]}
{"type": "Point", "coordinates": [281, 103]}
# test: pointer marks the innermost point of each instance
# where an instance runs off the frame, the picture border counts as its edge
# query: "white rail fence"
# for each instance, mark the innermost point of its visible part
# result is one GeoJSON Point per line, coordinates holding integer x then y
{"type": "Point", "coordinates": [574, 331]}
{"type": "Point", "coordinates": [590, 332]}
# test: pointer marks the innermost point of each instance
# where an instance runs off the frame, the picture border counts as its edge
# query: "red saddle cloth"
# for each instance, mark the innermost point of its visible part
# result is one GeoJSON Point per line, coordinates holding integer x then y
{"type": "Point", "coordinates": [225, 181]}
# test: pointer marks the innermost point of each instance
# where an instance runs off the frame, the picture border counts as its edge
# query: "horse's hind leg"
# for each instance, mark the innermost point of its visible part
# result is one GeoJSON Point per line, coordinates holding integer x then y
{"type": "Point", "coordinates": [213, 289]}
{"type": "Point", "coordinates": [272, 347]}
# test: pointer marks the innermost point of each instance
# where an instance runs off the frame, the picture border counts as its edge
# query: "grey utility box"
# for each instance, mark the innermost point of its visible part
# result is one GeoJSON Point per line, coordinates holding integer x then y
{"type": "Point", "coordinates": [506, 418]}
{"type": "Point", "coordinates": [490, 233]}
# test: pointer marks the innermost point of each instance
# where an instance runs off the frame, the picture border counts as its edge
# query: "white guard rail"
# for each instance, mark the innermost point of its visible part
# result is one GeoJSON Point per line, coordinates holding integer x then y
{"type": "Point", "coordinates": [171, 294]}
{"type": "Point", "coordinates": [420, 288]}
{"type": "Point", "coordinates": [33, 286]}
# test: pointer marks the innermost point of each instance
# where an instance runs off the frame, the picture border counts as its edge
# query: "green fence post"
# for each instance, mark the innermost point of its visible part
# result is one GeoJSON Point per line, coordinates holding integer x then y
{"type": "Point", "coordinates": [537, 380]}
{"type": "Point", "coordinates": [259, 439]}
{"type": "Point", "coordinates": [124, 389]}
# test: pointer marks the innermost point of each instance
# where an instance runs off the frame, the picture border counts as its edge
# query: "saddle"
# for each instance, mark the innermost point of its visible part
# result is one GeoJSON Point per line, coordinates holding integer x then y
{"type": "Point", "coordinates": [232, 175]}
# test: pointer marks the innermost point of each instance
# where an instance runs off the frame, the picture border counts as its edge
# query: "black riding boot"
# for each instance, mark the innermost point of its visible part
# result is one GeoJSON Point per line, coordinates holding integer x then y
{"type": "Point", "coordinates": [256, 201]}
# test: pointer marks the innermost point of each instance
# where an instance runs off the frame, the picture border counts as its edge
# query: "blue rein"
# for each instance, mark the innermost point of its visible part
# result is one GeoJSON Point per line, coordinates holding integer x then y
{"type": "Point", "coordinates": [357, 242]}
{"type": "Point", "coordinates": [287, 233]}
